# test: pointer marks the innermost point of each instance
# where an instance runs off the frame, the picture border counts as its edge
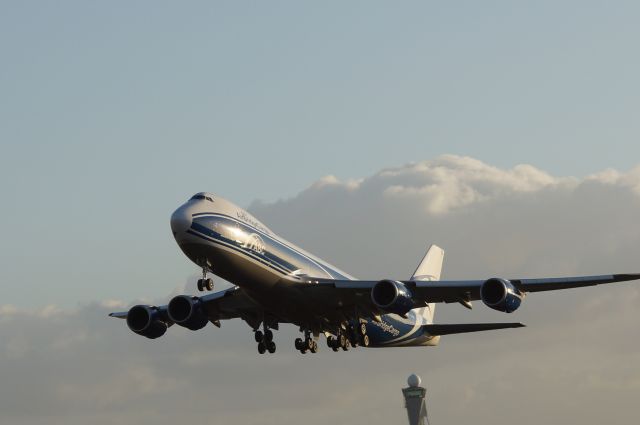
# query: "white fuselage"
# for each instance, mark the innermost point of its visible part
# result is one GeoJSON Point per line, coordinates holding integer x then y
{"type": "Point", "coordinates": [226, 240]}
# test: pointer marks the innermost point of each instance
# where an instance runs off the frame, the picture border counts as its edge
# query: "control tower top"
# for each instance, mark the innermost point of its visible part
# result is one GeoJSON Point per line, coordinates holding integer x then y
{"type": "Point", "coordinates": [414, 381]}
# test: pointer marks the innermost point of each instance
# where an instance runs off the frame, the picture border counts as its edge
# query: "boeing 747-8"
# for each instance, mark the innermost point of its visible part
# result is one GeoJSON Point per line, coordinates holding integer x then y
{"type": "Point", "coordinates": [277, 282]}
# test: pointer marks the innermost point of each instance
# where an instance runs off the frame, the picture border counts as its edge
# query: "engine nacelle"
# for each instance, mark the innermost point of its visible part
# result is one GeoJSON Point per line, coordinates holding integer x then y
{"type": "Point", "coordinates": [392, 296]}
{"type": "Point", "coordinates": [187, 312]}
{"type": "Point", "coordinates": [146, 321]}
{"type": "Point", "coordinates": [500, 294]}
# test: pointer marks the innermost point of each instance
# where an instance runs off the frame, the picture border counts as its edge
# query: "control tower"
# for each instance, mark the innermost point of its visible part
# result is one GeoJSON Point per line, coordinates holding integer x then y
{"type": "Point", "coordinates": [414, 401]}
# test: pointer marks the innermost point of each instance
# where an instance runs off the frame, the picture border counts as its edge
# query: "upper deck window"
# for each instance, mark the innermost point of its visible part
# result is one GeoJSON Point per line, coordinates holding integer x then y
{"type": "Point", "coordinates": [203, 197]}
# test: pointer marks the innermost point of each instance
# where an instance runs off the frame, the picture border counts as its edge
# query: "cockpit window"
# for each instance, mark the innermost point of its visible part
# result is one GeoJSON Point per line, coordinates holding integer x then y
{"type": "Point", "coordinates": [202, 197]}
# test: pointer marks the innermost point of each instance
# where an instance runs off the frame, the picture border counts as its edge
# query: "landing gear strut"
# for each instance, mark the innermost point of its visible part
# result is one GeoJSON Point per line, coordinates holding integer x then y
{"type": "Point", "coordinates": [206, 283]}
{"type": "Point", "coordinates": [264, 339]}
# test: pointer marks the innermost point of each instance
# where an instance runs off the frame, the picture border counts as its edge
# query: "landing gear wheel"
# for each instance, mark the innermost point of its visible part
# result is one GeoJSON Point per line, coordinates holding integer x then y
{"type": "Point", "coordinates": [200, 287]}
{"type": "Point", "coordinates": [365, 341]}
{"type": "Point", "coordinates": [314, 347]}
{"type": "Point", "coordinates": [345, 347]}
{"type": "Point", "coordinates": [208, 284]}
{"type": "Point", "coordinates": [271, 347]}
{"type": "Point", "coordinates": [299, 344]}
{"type": "Point", "coordinates": [309, 344]}
{"type": "Point", "coordinates": [261, 348]}
{"type": "Point", "coordinates": [330, 341]}
{"type": "Point", "coordinates": [258, 336]}
{"type": "Point", "coordinates": [342, 340]}
{"type": "Point", "coordinates": [363, 329]}
{"type": "Point", "coordinates": [333, 343]}
{"type": "Point", "coordinates": [268, 336]}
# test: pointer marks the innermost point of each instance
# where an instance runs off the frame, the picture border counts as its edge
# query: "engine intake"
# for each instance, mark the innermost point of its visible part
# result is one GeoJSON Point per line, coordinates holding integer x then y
{"type": "Point", "coordinates": [500, 294]}
{"type": "Point", "coordinates": [187, 312]}
{"type": "Point", "coordinates": [392, 296]}
{"type": "Point", "coordinates": [146, 321]}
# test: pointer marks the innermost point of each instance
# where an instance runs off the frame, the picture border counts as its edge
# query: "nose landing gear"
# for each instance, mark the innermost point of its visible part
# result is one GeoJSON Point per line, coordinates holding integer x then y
{"type": "Point", "coordinates": [206, 283]}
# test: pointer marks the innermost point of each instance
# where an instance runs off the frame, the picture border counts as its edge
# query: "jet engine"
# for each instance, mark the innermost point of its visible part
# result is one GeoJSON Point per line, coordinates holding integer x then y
{"type": "Point", "coordinates": [500, 294]}
{"type": "Point", "coordinates": [146, 321]}
{"type": "Point", "coordinates": [392, 296]}
{"type": "Point", "coordinates": [187, 312]}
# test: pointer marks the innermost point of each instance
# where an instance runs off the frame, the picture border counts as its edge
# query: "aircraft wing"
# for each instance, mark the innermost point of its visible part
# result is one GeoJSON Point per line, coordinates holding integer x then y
{"type": "Point", "coordinates": [357, 292]}
{"type": "Point", "coordinates": [227, 304]}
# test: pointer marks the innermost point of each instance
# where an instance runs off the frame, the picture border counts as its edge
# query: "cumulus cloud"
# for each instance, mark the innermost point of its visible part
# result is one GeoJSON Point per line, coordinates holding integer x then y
{"type": "Point", "coordinates": [490, 221]}
{"type": "Point", "coordinates": [577, 362]}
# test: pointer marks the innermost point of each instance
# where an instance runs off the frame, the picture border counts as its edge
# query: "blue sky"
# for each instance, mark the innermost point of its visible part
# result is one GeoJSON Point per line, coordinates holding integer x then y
{"type": "Point", "coordinates": [114, 113]}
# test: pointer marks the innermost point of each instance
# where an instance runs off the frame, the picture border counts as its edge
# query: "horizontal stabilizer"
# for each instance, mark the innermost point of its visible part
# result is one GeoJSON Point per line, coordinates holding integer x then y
{"type": "Point", "coordinates": [467, 327]}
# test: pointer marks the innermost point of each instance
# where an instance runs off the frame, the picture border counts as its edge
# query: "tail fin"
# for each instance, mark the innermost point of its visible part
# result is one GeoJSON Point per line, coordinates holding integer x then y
{"type": "Point", "coordinates": [430, 268]}
{"type": "Point", "coordinates": [431, 265]}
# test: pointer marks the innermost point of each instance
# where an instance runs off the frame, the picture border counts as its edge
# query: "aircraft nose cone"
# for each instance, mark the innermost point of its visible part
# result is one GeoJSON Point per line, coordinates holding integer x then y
{"type": "Point", "coordinates": [180, 221]}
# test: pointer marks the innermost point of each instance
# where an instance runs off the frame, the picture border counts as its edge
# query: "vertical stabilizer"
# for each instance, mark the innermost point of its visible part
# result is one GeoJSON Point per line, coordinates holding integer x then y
{"type": "Point", "coordinates": [430, 268]}
{"type": "Point", "coordinates": [431, 265]}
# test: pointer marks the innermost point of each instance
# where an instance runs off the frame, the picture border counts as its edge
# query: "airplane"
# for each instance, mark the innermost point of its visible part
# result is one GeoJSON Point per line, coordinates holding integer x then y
{"type": "Point", "coordinates": [276, 282]}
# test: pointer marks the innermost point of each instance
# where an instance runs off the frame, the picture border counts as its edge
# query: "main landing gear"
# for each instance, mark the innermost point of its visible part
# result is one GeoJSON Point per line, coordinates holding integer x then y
{"type": "Point", "coordinates": [362, 332]}
{"type": "Point", "coordinates": [265, 340]}
{"type": "Point", "coordinates": [347, 336]}
{"type": "Point", "coordinates": [206, 283]}
{"type": "Point", "coordinates": [306, 344]}
{"type": "Point", "coordinates": [352, 336]}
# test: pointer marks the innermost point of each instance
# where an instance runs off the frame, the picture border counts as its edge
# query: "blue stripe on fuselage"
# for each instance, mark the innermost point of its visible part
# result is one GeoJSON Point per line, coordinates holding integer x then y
{"type": "Point", "coordinates": [241, 251]}
{"type": "Point", "coordinates": [275, 253]}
